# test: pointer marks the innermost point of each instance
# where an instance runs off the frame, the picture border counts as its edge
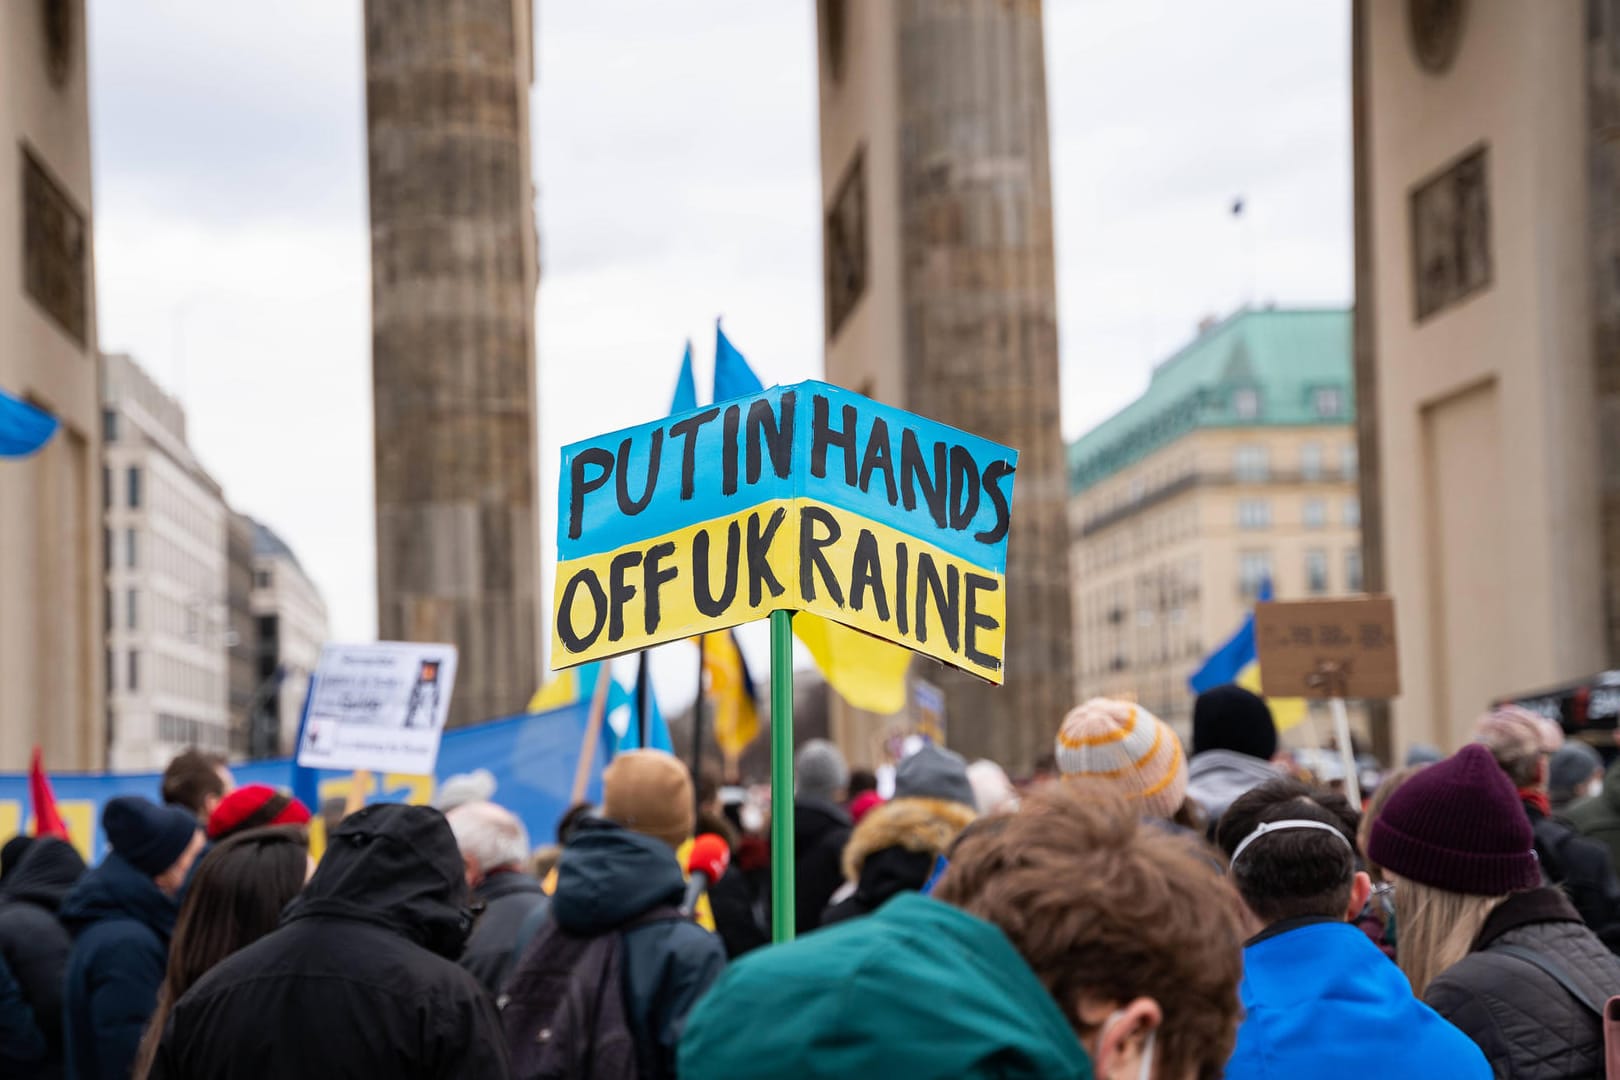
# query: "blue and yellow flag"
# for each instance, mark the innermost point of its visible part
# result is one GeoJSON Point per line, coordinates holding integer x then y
{"type": "Point", "coordinates": [23, 428]}
{"type": "Point", "coordinates": [1237, 660]}
{"type": "Point", "coordinates": [731, 691]}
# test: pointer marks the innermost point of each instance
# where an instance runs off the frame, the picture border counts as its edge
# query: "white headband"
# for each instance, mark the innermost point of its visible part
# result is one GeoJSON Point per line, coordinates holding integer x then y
{"type": "Point", "coordinates": [1291, 823]}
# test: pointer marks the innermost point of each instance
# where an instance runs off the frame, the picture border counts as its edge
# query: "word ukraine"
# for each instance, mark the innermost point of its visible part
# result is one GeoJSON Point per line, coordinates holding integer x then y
{"type": "Point", "coordinates": [806, 497]}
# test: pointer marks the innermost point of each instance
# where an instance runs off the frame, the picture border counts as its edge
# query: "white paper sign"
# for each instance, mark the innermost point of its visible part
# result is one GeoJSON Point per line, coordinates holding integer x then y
{"type": "Point", "coordinates": [380, 707]}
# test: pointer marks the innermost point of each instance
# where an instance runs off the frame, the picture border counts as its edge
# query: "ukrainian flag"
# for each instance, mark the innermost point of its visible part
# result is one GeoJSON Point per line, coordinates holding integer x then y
{"type": "Point", "coordinates": [1238, 661]}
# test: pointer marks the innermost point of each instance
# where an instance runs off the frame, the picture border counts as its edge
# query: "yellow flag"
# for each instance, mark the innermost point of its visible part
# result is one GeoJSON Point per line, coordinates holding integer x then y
{"type": "Point", "coordinates": [736, 719]}
{"type": "Point", "coordinates": [1286, 712]}
{"type": "Point", "coordinates": [556, 693]}
{"type": "Point", "coordinates": [867, 672]}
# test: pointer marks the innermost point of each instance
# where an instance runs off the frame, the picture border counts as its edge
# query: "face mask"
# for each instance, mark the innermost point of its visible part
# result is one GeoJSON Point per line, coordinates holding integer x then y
{"type": "Point", "coordinates": [1146, 1071]}
{"type": "Point", "coordinates": [1594, 788]}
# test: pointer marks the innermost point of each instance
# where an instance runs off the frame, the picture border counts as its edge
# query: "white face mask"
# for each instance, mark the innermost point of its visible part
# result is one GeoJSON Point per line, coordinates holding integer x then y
{"type": "Point", "coordinates": [1146, 1071]}
{"type": "Point", "coordinates": [1595, 787]}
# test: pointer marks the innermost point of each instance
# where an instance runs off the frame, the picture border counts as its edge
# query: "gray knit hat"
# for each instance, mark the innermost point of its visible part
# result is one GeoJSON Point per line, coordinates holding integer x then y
{"type": "Point", "coordinates": [934, 773]}
{"type": "Point", "coordinates": [821, 770]}
{"type": "Point", "coordinates": [1570, 768]}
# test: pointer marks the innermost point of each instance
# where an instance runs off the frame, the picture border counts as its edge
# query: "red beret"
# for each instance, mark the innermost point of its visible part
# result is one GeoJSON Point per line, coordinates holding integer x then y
{"type": "Point", "coordinates": [253, 806]}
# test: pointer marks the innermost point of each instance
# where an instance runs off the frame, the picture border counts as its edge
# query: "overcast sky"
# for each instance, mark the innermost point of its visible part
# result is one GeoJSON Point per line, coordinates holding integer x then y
{"type": "Point", "coordinates": [675, 156]}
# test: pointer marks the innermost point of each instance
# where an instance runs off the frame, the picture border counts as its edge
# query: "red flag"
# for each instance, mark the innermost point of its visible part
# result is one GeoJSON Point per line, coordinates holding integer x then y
{"type": "Point", "coordinates": [47, 822]}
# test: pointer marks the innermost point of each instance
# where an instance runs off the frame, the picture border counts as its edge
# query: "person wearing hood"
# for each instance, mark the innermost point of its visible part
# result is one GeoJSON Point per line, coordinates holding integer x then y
{"type": "Point", "coordinates": [361, 977]}
{"type": "Point", "coordinates": [896, 846]}
{"type": "Point", "coordinates": [121, 915]}
{"type": "Point", "coordinates": [821, 828]}
{"type": "Point", "coordinates": [1319, 998]}
{"type": "Point", "coordinates": [1598, 818]}
{"type": "Point", "coordinates": [1574, 773]}
{"type": "Point", "coordinates": [35, 945]}
{"type": "Point", "coordinates": [1233, 742]}
{"type": "Point", "coordinates": [618, 874]}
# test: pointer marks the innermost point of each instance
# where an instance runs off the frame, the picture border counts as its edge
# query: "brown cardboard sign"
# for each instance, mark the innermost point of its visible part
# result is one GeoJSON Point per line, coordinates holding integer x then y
{"type": "Point", "coordinates": [1328, 648]}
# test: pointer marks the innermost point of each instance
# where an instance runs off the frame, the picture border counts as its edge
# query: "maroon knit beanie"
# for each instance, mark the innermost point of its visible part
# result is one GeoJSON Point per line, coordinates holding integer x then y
{"type": "Point", "coordinates": [1458, 825]}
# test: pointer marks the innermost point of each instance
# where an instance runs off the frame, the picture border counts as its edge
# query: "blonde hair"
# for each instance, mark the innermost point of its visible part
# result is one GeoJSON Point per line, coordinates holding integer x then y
{"type": "Point", "coordinates": [1436, 928]}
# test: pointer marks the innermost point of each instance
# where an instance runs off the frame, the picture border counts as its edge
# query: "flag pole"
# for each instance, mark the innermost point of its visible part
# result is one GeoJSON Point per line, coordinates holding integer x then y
{"type": "Point", "coordinates": [697, 725]}
{"type": "Point", "coordinates": [782, 856]}
{"type": "Point", "coordinates": [643, 692]}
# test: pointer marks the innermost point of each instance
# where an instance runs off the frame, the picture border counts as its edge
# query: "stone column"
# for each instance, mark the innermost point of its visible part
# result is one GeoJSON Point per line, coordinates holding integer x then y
{"type": "Point", "coordinates": [454, 272]}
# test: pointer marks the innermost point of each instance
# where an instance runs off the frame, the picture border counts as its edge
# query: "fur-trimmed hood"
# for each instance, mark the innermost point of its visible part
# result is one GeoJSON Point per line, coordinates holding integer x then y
{"type": "Point", "coordinates": [926, 826]}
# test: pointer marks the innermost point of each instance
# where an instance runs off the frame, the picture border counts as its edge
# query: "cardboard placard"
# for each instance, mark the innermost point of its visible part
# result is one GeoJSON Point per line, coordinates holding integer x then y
{"type": "Point", "coordinates": [1328, 648]}
{"type": "Point", "coordinates": [804, 497]}
{"type": "Point", "coordinates": [380, 707]}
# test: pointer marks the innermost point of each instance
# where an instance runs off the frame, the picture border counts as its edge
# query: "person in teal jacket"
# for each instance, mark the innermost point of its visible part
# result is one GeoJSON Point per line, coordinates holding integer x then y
{"type": "Point", "coordinates": [1320, 999]}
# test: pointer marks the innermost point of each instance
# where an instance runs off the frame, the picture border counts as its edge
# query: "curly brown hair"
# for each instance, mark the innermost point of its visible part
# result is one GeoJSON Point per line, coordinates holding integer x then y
{"type": "Point", "coordinates": [1104, 907]}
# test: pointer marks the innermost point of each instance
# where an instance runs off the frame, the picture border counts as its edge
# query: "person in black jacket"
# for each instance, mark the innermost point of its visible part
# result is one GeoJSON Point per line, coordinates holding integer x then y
{"type": "Point", "coordinates": [34, 945]}
{"type": "Point", "coordinates": [1583, 868]}
{"type": "Point", "coordinates": [821, 828]}
{"type": "Point", "coordinates": [360, 979]}
{"type": "Point", "coordinates": [495, 848]}
{"type": "Point", "coordinates": [1483, 941]}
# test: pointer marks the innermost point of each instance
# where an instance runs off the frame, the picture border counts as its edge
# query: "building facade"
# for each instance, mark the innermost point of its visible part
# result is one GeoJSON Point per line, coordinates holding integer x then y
{"type": "Point", "coordinates": [241, 662]}
{"type": "Point", "coordinates": [1488, 345]}
{"type": "Point", "coordinates": [164, 549]}
{"type": "Point", "coordinates": [290, 626]}
{"type": "Point", "coordinates": [940, 298]}
{"type": "Point", "coordinates": [50, 576]}
{"type": "Point", "coordinates": [454, 267]}
{"type": "Point", "coordinates": [1238, 465]}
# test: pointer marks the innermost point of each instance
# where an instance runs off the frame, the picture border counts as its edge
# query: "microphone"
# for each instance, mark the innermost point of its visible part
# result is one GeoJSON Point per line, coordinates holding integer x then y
{"type": "Point", "coordinates": [706, 863]}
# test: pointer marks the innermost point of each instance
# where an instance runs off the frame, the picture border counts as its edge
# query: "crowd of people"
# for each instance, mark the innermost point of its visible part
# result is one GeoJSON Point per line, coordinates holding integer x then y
{"type": "Point", "coordinates": [1135, 909]}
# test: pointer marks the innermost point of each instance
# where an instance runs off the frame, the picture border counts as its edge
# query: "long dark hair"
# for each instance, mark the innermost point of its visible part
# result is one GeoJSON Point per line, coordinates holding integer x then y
{"type": "Point", "coordinates": [235, 898]}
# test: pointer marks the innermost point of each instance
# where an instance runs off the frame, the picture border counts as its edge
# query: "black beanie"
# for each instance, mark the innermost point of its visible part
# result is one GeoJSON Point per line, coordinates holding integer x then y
{"type": "Point", "coordinates": [150, 838]}
{"type": "Point", "coordinates": [1231, 718]}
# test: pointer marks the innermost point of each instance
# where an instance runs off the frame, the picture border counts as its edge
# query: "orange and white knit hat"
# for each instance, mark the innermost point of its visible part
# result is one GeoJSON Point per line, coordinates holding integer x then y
{"type": "Point", "coordinates": [1126, 748]}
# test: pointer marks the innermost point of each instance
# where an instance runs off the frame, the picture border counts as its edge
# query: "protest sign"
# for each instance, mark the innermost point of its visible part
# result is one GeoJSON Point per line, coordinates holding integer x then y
{"type": "Point", "coordinates": [1328, 648]}
{"type": "Point", "coordinates": [804, 497]}
{"type": "Point", "coordinates": [379, 707]}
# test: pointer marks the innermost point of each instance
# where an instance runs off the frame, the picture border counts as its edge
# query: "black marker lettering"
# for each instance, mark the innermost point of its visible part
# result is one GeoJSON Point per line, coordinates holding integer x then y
{"type": "Point", "coordinates": [620, 592]}
{"type": "Point", "coordinates": [811, 555]}
{"type": "Point", "coordinates": [628, 506]}
{"type": "Point", "coordinates": [707, 602]}
{"type": "Point", "coordinates": [902, 569]}
{"type": "Point", "coordinates": [914, 474]}
{"type": "Point", "coordinates": [866, 572]}
{"type": "Point", "coordinates": [728, 451]}
{"type": "Point", "coordinates": [877, 457]}
{"type": "Point", "coordinates": [780, 440]}
{"type": "Point", "coordinates": [964, 487]}
{"type": "Point", "coordinates": [946, 597]}
{"type": "Point", "coordinates": [760, 575]}
{"type": "Point", "coordinates": [994, 473]}
{"type": "Point", "coordinates": [822, 436]}
{"type": "Point", "coordinates": [572, 640]}
{"type": "Point", "coordinates": [653, 578]}
{"type": "Point", "coordinates": [973, 622]}
{"type": "Point", "coordinates": [688, 429]}
{"type": "Point", "coordinates": [581, 486]}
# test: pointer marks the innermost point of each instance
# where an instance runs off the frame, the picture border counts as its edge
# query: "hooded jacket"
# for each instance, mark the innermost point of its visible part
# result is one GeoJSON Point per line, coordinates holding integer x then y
{"type": "Point", "coordinates": [918, 990]}
{"type": "Point", "coordinates": [1529, 1026]}
{"type": "Point", "coordinates": [894, 849]}
{"type": "Point", "coordinates": [1320, 1000]}
{"type": "Point", "coordinates": [360, 979]}
{"type": "Point", "coordinates": [509, 897]}
{"type": "Point", "coordinates": [1215, 779]}
{"type": "Point", "coordinates": [35, 945]}
{"type": "Point", "coordinates": [120, 921]}
{"type": "Point", "coordinates": [820, 831]}
{"type": "Point", "coordinates": [608, 876]}
{"type": "Point", "coordinates": [1599, 816]}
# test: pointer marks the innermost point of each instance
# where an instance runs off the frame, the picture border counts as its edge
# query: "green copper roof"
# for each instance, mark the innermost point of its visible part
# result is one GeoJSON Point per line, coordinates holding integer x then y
{"type": "Point", "coordinates": [1275, 359]}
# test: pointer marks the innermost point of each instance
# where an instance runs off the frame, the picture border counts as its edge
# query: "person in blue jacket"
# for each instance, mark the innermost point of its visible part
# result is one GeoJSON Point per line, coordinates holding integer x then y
{"type": "Point", "coordinates": [121, 915]}
{"type": "Point", "coordinates": [1319, 998]}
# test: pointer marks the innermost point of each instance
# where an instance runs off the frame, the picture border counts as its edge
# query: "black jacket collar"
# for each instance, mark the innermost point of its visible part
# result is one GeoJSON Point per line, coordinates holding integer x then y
{"type": "Point", "coordinates": [1277, 929]}
{"type": "Point", "coordinates": [1547, 904]}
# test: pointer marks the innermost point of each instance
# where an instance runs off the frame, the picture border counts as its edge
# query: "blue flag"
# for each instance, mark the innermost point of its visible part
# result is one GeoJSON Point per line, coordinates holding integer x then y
{"type": "Point", "coordinates": [24, 429]}
{"type": "Point", "coordinates": [1227, 662]}
{"type": "Point", "coordinates": [732, 375]}
{"type": "Point", "coordinates": [685, 399]}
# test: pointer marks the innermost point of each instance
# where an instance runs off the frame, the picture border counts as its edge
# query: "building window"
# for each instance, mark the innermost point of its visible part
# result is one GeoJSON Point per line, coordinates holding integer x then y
{"type": "Point", "coordinates": [845, 237]}
{"type": "Point", "coordinates": [134, 670]}
{"type": "Point", "coordinates": [1315, 513]}
{"type": "Point", "coordinates": [1329, 402]}
{"type": "Point", "coordinates": [1352, 512]}
{"type": "Point", "coordinates": [134, 487]}
{"type": "Point", "coordinates": [107, 549]}
{"type": "Point", "coordinates": [130, 553]}
{"type": "Point", "coordinates": [261, 579]}
{"type": "Point", "coordinates": [1316, 572]}
{"type": "Point", "coordinates": [1250, 464]}
{"type": "Point", "coordinates": [1254, 570]}
{"type": "Point", "coordinates": [55, 248]}
{"type": "Point", "coordinates": [109, 602]}
{"type": "Point", "coordinates": [109, 425]}
{"type": "Point", "coordinates": [1254, 514]}
{"type": "Point", "coordinates": [1246, 403]}
{"type": "Point", "coordinates": [129, 609]}
{"type": "Point", "coordinates": [106, 488]}
{"type": "Point", "coordinates": [1352, 570]}
{"type": "Point", "coordinates": [1349, 461]}
{"type": "Point", "coordinates": [1310, 461]}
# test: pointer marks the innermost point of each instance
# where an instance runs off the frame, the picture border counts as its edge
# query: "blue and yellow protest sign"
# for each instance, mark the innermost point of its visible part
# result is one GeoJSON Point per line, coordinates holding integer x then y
{"type": "Point", "coordinates": [805, 497]}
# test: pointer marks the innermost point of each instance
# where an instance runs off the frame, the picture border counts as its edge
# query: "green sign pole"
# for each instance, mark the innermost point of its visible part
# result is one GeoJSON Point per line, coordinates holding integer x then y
{"type": "Point", "coordinates": [782, 914]}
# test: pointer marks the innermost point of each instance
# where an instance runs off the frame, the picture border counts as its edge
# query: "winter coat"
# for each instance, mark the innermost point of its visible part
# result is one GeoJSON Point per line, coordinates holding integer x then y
{"type": "Point", "coordinates": [1583, 869]}
{"type": "Point", "coordinates": [918, 989]}
{"type": "Point", "coordinates": [739, 913]}
{"type": "Point", "coordinates": [608, 876]}
{"type": "Point", "coordinates": [1599, 816]}
{"type": "Point", "coordinates": [894, 849]}
{"type": "Point", "coordinates": [1320, 1000]}
{"type": "Point", "coordinates": [820, 831]}
{"type": "Point", "coordinates": [120, 921]}
{"type": "Point", "coordinates": [1529, 1026]}
{"type": "Point", "coordinates": [35, 945]}
{"type": "Point", "coordinates": [22, 1044]}
{"type": "Point", "coordinates": [509, 896]}
{"type": "Point", "coordinates": [360, 979]}
{"type": "Point", "coordinates": [1216, 778]}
